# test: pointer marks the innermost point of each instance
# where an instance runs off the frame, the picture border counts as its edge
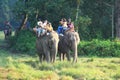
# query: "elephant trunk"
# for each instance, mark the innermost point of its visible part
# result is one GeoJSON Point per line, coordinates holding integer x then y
{"type": "Point", "coordinates": [74, 47]}
{"type": "Point", "coordinates": [47, 56]}
{"type": "Point", "coordinates": [54, 50]}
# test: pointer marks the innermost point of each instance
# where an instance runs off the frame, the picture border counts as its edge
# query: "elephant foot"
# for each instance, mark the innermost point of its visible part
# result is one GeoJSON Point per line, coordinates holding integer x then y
{"type": "Point", "coordinates": [74, 61]}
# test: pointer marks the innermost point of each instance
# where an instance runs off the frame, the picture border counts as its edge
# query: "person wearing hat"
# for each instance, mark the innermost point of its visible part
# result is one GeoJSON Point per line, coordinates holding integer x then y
{"type": "Point", "coordinates": [70, 25]}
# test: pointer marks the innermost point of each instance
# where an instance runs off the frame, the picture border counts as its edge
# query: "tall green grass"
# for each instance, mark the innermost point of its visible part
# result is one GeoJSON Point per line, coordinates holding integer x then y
{"type": "Point", "coordinates": [28, 68]}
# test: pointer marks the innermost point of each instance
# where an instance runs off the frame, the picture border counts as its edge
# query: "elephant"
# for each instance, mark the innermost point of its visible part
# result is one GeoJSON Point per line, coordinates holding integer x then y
{"type": "Point", "coordinates": [7, 33]}
{"type": "Point", "coordinates": [47, 46]}
{"type": "Point", "coordinates": [7, 29]}
{"type": "Point", "coordinates": [68, 43]}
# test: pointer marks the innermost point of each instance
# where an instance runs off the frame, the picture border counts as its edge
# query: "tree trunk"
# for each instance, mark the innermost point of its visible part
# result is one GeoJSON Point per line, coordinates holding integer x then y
{"type": "Point", "coordinates": [24, 21]}
{"type": "Point", "coordinates": [117, 18]}
{"type": "Point", "coordinates": [23, 24]}
{"type": "Point", "coordinates": [76, 19]}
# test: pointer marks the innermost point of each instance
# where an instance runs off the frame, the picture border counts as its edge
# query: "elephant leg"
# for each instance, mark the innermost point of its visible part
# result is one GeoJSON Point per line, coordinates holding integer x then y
{"type": "Point", "coordinates": [61, 56]}
{"type": "Point", "coordinates": [54, 50]}
{"type": "Point", "coordinates": [75, 53]}
{"type": "Point", "coordinates": [74, 58]}
{"type": "Point", "coordinates": [44, 57]}
{"type": "Point", "coordinates": [47, 56]}
{"type": "Point", "coordinates": [5, 37]}
{"type": "Point", "coordinates": [46, 50]}
{"type": "Point", "coordinates": [55, 53]}
{"type": "Point", "coordinates": [40, 57]}
{"type": "Point", "coordinates": [64, 54]}
{"type": "Point", "coordinates": [53, 57]}
{"type": "Point", "coordinates": [68, 56]}
{"type": "Point", "coordinates": [10, 32]}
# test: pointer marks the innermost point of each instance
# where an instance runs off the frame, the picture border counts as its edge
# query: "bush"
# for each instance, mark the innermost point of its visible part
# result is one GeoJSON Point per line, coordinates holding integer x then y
{"type": "Point", "coordinates": [99, 48]}
{"type": "Point", "coordinates": [23, 42]}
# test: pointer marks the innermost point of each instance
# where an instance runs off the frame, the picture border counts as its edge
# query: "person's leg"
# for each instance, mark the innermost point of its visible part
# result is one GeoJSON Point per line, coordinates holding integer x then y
{"type": "Point", "coordinates": [39, 32]}
{"type": "Point", "coordinates": [35, 30]}
{"type": "Point", "coordinates": [43, 31]}
{"type": "Point", "coordinates": [63, 31]}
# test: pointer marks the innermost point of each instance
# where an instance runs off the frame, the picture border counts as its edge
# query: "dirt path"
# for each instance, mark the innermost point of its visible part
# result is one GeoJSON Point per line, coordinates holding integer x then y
{"type": "Point", "coordinates": [4, 45]}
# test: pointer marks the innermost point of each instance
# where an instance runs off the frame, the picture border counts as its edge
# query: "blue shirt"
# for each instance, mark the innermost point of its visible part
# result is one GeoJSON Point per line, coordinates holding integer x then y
{"type": "Point", "coordinates": [60, 29]}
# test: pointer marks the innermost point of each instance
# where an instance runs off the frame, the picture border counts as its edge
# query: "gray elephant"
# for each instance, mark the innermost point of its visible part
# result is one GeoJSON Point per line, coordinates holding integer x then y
{"type": "Point", "coordinates": [68, 43]}
{"type": "Point", "coordinates": [7, 33]}
{"type": "Point", "coordinates": [47, 46]}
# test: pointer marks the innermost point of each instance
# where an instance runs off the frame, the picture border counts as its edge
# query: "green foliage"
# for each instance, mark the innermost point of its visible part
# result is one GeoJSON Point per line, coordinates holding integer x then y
{"type": "Point", "coordinates": [117, 76]}
{"type": "Point", "coordinates": [46, 9]}
{"type": "Point", "coordinates": [82, 26]}
{"type": "Point", "coordinates": [99, 48]}
{"type": "Point", "coordinates": [24, 41]}
{"type": "Point", "coordinates": [100, 14]}
{"type": "Point", "coordinates": [5, 10]}
{"type": "Point", "coordinates": [66, 78]}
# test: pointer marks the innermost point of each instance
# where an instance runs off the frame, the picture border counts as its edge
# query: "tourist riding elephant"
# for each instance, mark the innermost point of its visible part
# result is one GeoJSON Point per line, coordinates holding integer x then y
{"type": "Point", "coordinates": [68, 43]}
{"type": "Point", "coordinates": [47, 46]}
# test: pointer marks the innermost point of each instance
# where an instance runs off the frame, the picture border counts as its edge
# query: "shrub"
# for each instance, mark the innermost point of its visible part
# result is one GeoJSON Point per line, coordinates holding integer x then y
{"type": "Point", "coordinates": [101, 48]}
{"type": "Point", "coordinates": [23, 42]}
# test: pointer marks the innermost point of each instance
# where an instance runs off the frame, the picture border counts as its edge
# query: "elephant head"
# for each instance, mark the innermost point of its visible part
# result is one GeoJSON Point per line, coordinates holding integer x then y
{"type": "Point", "coordinates": [69, 43]}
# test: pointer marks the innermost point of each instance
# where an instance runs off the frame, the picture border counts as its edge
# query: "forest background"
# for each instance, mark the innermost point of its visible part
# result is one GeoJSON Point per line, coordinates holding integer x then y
{"type": "Point", "coordinates": [97, 22]}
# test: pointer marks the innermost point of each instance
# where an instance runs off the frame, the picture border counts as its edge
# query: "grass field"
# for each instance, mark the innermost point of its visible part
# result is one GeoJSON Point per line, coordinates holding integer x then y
{"type": "Point", "coordinates": [14, 66]}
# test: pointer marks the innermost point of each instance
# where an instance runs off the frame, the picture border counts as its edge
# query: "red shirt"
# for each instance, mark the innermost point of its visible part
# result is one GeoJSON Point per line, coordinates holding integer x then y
{"type": "Point", "coordinates": [71, 26]}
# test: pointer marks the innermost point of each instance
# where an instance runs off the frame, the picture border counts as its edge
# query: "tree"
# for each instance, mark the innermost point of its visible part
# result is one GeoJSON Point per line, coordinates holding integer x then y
{"type": "Point", "coordinates": [53, 10]}
{"type": "Point", "coordinates": [5, 10]}
{"type": "Point", "coordinates": [117, 18]}
{"type": "Point", "coordinates": [100, 15]}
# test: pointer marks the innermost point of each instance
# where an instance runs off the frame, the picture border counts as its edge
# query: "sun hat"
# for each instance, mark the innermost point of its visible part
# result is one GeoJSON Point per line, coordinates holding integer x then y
{"type": "Point", "coordinates": [39, 23]}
